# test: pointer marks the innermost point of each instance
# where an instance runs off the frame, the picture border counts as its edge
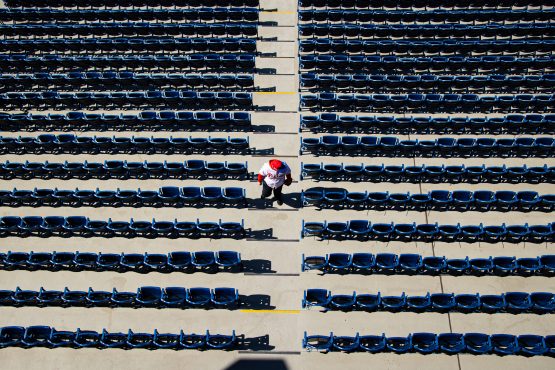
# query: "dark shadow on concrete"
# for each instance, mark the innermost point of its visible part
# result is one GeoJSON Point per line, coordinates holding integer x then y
{"type": "Point", "coordinates": [256, 302]}
{"type": "Point", "coordinates": [261, 128]}
{"type": "Point", "coordinates": [258, 266]}
{"type": "Point", "coordinates": [261, 234]}
{"type": "Point", "coordinates": [261, 343]}
{"type": "Point", "coordinates": [293, 200]}
{"type": "Point", "coordinates": [269, 151]}
{"type": "Point", "coordinates": [258, 364]}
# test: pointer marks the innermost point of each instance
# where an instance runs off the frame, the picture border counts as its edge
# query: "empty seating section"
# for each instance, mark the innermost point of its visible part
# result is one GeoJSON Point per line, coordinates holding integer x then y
{"type": "Point", "coordinates": [74, 226]}
{"type": "Point", "coordinates": [427, 343]}
{"type": "Point", "coordinates": [454, 173]}
{"type": "Point", "coordinates": [178, 99]}
{"type": "Point", "coordinates": [391, 146]}
{"type": "Point", "coordinates": [115, 169]}
{"type": "Point", "coordinates": [416, 264]}
{"type": "Point", "coordinates": [441, 200]}
{"type": "Point", "coordinates": [146, 296]}
{"type": "Point", "coordinates": [205, 62]}
{"type": "Point", "coordinates": [391, 64]}
{"type": "Point", "coordinates": [509, 124]}
{"type": "Point", "coordinates": [513, 302]}
{"type": "Point", "coordinates": [71, 144]}
{"type": "Point", "coordinates": [365, 230]}
{"type": "Point", "coordinates": [441, 16]}
{"type": "Point", "coordinates": [167, 196]}
{"type": "Point", "coordinates": [396, 4]}
{"type": "Point", "coordinates": [129, 29]}
{"type": "Point", "coordinates": [177, 261]}
{"type": "Point", "coordinates": [228, 15]}
{"type": "Point", "coordinates": [426, 103]}
{"type": "Point", "coordinates": [192, 4]}
{"type": "Point", "coordinates": [49, 337]}
{"type": "Point", "coordinates": [143, 121]}
{"type": "Point", "coordinates": [432, 83]}
{"type": "Point", "coordinates": [136, 66]}
{"type": "Point", "coordinates": [125, 80]}
{"type": "Point", "coordinates": [137, 45]}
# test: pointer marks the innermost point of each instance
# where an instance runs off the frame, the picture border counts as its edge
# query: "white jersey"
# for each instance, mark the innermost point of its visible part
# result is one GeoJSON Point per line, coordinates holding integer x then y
{"type": "Point", "coordinates": [273, 178]}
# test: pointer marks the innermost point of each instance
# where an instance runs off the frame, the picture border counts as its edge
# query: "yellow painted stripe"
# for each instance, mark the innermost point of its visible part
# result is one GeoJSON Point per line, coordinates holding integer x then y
{"type": "Point", "coordinates": [293, 312]}
{"type": "Point", "coordinates": [275, 92]}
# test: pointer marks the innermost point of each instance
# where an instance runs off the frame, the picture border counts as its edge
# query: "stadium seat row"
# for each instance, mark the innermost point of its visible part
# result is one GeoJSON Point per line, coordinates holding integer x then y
{"type": "Point", "coordinates": [391, 146]}
{"type": "Point", "coordinates": [82, 226]}
{"type": "Point", "coordinates": [71, 144]}
{"type": "Point", "coordinates": [162, 98]}
{"type": "Point", "coordinates": [179, 261]}
{"type": "Point", "coordinates": [406, 16]}
{"type": "Point", "coordinates": [425, 103]}
{"type": "Point", "coordinates": [142, 121]}
{"type": "Point", "coordinates": [513, 302]}
{"type": "Point", "coordinates": [364, 230]}
{"type": "Point", "coordinates": [192, 168]}
{"type": "Point", "coordinates": [427, 173]}
{"type": "Point", "coordinates": [511, 123]}
{"type": "Point", "coordinates": [146, 296]}
{"type": "Point", "coordinates": [366, 31]}
{"type": "Point", "coordinates": [410, 263]}
{"type": "Point", "coordinates": [396, 83]}
{"type": "Point", "coordinates": [426, 343]}
{"type": "Point", "coordinates": [151, 14]}
{"type": "Point", "coordinates": [45, 336]}
{"type": "Point", "coordinates": [201, 61]}
{"type": "Point", "coordinates": [166, 196]}
{"type": "Point", "coordinates": [459, 200]}
{"type": "Point", "coordinates": [454, 64]}
{"type": "Point", "coordinates": [133, 3]}
{"type": "Point", "coordinates": [422, 47]}
{"type": "Point", "coordinates": [412, 4]}
{"type": "Point", "coordinates": [125, 81]}
{"type": "Point", "coordinates": [131, 44]}
{"type": "Point", "coordinates": [140, 29]}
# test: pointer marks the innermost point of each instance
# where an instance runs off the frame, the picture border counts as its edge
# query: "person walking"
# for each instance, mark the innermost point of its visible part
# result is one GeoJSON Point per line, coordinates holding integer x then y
{"type": "Point", "coordinates": [272, 176]}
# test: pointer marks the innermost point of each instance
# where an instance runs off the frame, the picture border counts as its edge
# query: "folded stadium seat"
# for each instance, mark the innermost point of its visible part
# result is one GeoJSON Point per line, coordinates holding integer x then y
{"type": "Point", "coordinates": [532, 345]}
{"type": "Point", "coordinates": [399, 344]}
{"type": "Point", "coordinates": [198, 297]}
{"type": "Point", "coordinates": [542, 302]}
{"type": "Point", "coordinates": [518, 301]}
{"type": "Point", "coordinates": [504, 344]}
{"type": "Point", "coordinates": [425, 342]}
{"type": "Point", "coordinates": [98, 298]}
{"type": "Point", "coordinates": [179, 261]}
{"type": "Point", "coordinates": [467, 302]}
{"type": "Point", "coordinates": [346, 343]}
{"type": "Point", "coordinates": [22, 297]}
{"type": "Point", "coordinates": [419, 303]}
{"type": "Point", "coordinates": [477, 343]}
{"type": "Point", "coordinates": [433, 264]}
{"type": "Point", "coordinates": [451, 343]}
{"type": "Point", "coordinates": [36, 336]}
{"type": "Point", "coordinates": [316, 297]}
{"type": "Point", "coordinates": [410, 263]}
{"type": "Point", "coordinates": [320, 343]}
{"type": "Point", "coordinates": [339, 261]}
{"type": "Point", "coordinates": [74, 297]}
{"type": "Point", "coordinates": [113, 340]}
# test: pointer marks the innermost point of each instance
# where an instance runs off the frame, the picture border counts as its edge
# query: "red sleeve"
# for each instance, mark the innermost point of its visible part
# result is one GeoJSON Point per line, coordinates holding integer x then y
{"type": "Point", "coordinates": [260, 178]}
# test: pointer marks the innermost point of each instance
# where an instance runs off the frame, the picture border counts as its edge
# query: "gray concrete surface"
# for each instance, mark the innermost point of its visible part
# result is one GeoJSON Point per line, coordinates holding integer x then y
{"type": "Point", "coordinates": [284, 322]}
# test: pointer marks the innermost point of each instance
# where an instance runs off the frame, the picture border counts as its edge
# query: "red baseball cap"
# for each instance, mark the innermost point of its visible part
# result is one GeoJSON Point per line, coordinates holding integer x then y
{"type": "Point", "coordinates": [275, 164]}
